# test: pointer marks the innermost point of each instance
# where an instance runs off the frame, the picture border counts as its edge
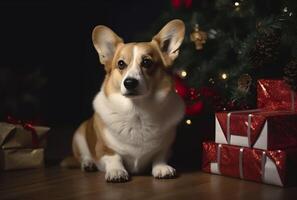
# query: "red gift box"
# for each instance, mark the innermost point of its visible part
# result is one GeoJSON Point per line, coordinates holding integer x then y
{"type": "Point", "coordinates": [275, 95]}
{"type": "Point", "coordinates": [276, 167]}
{"type": "Point", "coordinates": [260, 129]}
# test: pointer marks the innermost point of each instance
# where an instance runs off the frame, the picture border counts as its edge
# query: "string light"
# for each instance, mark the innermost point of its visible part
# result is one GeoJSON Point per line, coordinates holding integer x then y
{"type": "Point", "coordinates": [211, 81]}
{"type": "Point", "coordinates": [188, 122]}
{"type": "Point", "coordinates": [237, 6]}
{"type": "Point", "coordinates": [224, 76]}
{"type": "Point", "coordinates": [286, 10]}
{"type": "Point", "coordinates": [183, 73]}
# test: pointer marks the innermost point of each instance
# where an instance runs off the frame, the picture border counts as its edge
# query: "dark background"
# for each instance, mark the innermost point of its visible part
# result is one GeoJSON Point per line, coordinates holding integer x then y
{"type": "Point", "coordinates": [54, 38]}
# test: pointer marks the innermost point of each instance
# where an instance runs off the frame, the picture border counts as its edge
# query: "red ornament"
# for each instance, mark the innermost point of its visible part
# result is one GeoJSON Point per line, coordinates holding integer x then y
{"type": "Point", "coordinates": [180, 87]}
{"type": "Point", "coordinates": [193, 94]}
{"type": "Point", "coordinates": [190, 95]}
{"type": "Point", "coordinates": [195, 108]}
{"type": "Point", "coordinates": [177, 4]}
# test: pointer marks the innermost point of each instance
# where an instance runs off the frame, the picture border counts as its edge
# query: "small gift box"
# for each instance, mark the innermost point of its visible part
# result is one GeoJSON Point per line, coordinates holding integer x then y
{"type": "Point", "coordinates": [275, 95]}
{"type": "Point", "coordinates": [260, 129]}
{"type": "Point", "coordinates": [21, 158]}
{"type": "Point", "coordinates": [22, 145]}
{"type": "Point", "coordinates": [22, 135]}
{"type": "Point", "coordinates": [276, 167]}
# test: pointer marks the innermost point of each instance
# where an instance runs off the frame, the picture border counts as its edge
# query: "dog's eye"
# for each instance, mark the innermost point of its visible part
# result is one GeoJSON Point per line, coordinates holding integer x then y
{"type": "Point", "coordinates": [121, 64]}
{"type": "Point", "coordinates": [146, 63]}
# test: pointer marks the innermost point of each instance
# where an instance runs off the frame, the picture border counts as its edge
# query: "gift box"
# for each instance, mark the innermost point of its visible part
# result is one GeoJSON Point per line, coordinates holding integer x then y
{"type": "Point", "coordinates": [262, 129]}
{"type": "Point", "coordinates": [21, 158]}
{"type": "Point", "coordinates": [276, 167]}
{"type": "Point", "coordinates": [275, 95]}
{"type": "Point", "coordinates": [22, 136]}
{"type": "Point", "coordinates": [22, 145]}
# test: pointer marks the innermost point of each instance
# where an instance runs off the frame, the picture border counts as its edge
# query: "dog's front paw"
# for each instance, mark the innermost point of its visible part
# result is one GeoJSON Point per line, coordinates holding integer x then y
{"type": "Point", "coordinates": [116, 176]}
{"type": "Point", "coordinates": [87, 165]}
{"type": "Point", "coordinates": [163, 171]}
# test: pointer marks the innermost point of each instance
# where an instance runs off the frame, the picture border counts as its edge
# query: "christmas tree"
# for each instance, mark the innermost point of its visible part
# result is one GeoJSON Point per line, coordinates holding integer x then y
{"type": "Point", "coordinates": [228, 46]}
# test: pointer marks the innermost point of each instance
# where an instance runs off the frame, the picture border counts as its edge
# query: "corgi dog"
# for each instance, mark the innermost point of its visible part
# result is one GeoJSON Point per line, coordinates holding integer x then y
{"type": "Point", "coordinates": [137, 110]}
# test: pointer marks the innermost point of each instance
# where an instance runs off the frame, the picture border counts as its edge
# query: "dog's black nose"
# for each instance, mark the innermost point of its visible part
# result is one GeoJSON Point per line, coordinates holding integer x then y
{"type": "Point", "coordinates": [130, 83]}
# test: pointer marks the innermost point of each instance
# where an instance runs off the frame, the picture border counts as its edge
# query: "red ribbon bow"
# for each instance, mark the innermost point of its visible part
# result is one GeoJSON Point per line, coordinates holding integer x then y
{"type": "Point", "coordinates": [27, 126]}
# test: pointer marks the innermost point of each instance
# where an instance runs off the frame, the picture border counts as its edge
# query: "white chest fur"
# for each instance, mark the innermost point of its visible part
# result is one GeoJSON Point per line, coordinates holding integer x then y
{"type": "Point", "coordinates": [137, 130]}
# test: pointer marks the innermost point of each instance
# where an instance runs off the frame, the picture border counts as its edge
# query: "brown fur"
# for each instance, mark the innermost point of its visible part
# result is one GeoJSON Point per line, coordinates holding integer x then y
{"type": "Point", "coordinates": [156, 74]}
{"type": "Point", "coordinates": [92, 131]}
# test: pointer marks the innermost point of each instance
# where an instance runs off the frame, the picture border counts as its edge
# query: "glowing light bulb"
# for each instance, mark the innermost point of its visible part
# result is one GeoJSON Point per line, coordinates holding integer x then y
{"type": "Point", "coordinates": [188, 122]}
{"type": "Point", "coordinates": [211, 81]}
{"type": "Point", "coordinates": [224, 76]}
{"type": "Point", "coordinates": [183, 73]}
{"type": "Point", "coordinates": [236, 4]}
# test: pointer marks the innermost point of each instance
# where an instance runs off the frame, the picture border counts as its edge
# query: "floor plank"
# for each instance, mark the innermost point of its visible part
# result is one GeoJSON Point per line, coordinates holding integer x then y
{"type": "Point", "coordinates": [56, 183]}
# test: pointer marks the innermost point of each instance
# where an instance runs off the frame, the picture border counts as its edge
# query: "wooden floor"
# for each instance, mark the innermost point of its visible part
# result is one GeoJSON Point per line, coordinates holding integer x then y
{"type": "Point", "coordinates": [55, 183]}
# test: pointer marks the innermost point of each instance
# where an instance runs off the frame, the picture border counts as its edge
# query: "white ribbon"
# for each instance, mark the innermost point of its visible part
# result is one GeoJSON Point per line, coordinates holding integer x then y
{"type": "Point", "coordinates": [228, 127]}
{"type": "Point", "coordinates": [249, 129]}
{"type": "Point", "coordinates": [249, 123]}
{"type": "Point", "coordinates": [241, 163]}
{"type": "Point", "coordinates": [263, 162]}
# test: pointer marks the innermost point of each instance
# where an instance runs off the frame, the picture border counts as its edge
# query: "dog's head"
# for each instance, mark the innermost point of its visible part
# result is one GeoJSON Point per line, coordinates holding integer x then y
{"type": "Point", "coordinates": [136, 70]}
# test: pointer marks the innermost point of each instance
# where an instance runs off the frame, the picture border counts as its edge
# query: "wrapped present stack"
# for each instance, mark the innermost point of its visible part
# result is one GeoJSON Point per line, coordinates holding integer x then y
{"type": "Point", "coordinates": [22, 145]}
{"type": "Point", "coordinates": [258, 145]}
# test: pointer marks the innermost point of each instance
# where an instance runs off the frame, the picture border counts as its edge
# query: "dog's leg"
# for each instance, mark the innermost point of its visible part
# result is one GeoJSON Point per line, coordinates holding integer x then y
{"type": "Point", "coordinates": [87, 163]}
{"type": "Point", "coordinates": [114, 169]}
{"type": "Point", "coordinates": [161, 170]}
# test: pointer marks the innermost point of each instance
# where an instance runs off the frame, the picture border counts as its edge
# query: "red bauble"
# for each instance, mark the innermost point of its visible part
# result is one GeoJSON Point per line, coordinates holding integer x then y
{"type": "Point", "coordinates": [193, 94]}
{"type": "Point", "coordinates": [190, 95]}
{"type": "Point", "coordinates": [195, 108]}
{"type": "Point", "coordinates": [181, 88]}
{"type": "Point", "coordinates": [176, 4]}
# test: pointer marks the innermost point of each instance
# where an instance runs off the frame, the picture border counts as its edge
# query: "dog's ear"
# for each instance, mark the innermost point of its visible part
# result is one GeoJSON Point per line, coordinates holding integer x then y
{"type": "Point", "coordinates": [105, 42]}
{"type": "Point", "coordinates": [169, 40]}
